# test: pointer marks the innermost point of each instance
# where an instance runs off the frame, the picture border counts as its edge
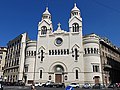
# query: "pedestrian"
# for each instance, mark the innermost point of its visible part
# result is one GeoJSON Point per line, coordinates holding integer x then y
{"type": "Point", "coordinates": [33, 86]}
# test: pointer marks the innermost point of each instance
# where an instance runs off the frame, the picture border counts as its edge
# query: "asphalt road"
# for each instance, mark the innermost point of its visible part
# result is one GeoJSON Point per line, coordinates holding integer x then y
{"type": "Point", "coordinates": [43, 88]}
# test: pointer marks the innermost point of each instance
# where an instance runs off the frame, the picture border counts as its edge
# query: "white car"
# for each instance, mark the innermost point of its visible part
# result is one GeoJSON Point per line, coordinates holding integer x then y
{"type": "Point", "coordinates": [75, 85]}
{"type": "Point", "coordinates": [86, 86]}
{"type": "Point", "coordinates": [38, 84]}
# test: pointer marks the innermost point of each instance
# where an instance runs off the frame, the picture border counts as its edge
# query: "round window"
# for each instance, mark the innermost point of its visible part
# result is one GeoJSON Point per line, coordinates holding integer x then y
{"type": "Point", "coordinates": [58, 41]}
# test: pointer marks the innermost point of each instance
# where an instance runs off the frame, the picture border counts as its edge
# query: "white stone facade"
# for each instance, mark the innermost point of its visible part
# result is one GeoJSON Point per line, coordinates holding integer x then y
{"type": "Point", "coordinates": [30, 61]}
{"type": "Point", "coordinates": [92, 58]}
{"type": "Point", "coordinates": [60, 55]}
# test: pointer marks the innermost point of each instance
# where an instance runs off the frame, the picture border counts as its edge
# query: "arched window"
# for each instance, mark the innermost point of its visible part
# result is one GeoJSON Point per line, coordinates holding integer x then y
{"type": "Point", "coordinates": [95, 50]}
{"type": "Point", "coordinates": [43, 30]}
{"type": "Point", "coordinates": [42, 55]}
{"type": "Point", "coordinates": [85, 51]}
{"type": "Point", "coordinates": [76, 54]}
{"type": "Point", "coordinates": [88, 50]}
{"type": "Point", "coordinates": [59, 68]}
{"type": "Point", "coordinates": [40, 73]}
{"type": "Point", "coordinates": [92, 50]}
{"type": "Point", "coordinates": [75, 27]}
{"type": "Point", "coordinates": [76, 72]}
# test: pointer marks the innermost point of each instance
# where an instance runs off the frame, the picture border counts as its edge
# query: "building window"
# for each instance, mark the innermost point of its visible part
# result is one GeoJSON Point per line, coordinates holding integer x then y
{"type": "Point", "coordinates": [52, 52]}
{"type": "Point", "coordinates": [65, 77]}
{"type": "Point", "coordinates": [50, 77]}
{"type": "Point", "coordinates": [43, 30]}
{"type": "Point", "coordinates": [88, 50]}
{"type": "Point", "coordinates": [67, 51]}
{"type": "Point", "coordinates": [61, 52]}
{"type": "Point", "coordinates": [76, 54]}
{"type": "Point", "coordinates": [58, 52]}
{"type": "Point", "coordinates": [31, 53]}
{"type": "Point", "coordinates": [26, 69]}
{"type": "Point", "coordinates": [49, 52]}
{"type": "Point", "coordinates": [0, 57]}
{"type": "Point", "coordinates": [85, 51]}
{"type": "Point", "coordinates": [95, 68]}
{"type": "Point", "coordinates": [76, 72]}
{"type": "Point", "coordinates": [42, 55]}
{"type": "Point", "coordinates": [75, 27]}
{"type": "Point", "coordinates": [40, 73]}
{"type": "Point", "coordinates": [55, 52]}
{"type": "Point", "coordinates": [91, 50]}
{"type": "Point", "coordinates": [95, 51]}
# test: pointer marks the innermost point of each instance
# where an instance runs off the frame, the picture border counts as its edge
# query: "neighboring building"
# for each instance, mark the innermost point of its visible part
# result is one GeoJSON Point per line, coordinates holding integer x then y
{"type": "Point", "coordinates": [3, 51]}
{"type": "Point", "coordinates": [62, 56]}
{"type": "Point", "coordinates": [110, 60]}
{"type": "Point", "coordinates": [15, 59]}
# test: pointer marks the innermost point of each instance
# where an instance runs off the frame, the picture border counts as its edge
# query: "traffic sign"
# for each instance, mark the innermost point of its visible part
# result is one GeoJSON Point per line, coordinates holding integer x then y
{"type": "Point", "coordinates": [69, 88]}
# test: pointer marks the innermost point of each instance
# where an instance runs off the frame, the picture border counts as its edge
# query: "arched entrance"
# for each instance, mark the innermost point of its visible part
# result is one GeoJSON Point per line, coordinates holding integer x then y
{"type": "Point", "coordinates": [59, 74]}
{"type": "Point", "coordinates": [96, 79]}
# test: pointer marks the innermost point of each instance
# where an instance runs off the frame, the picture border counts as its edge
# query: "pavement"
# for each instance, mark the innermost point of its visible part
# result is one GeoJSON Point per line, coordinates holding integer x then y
{"type": "Point", "coordinates": [45, 88]}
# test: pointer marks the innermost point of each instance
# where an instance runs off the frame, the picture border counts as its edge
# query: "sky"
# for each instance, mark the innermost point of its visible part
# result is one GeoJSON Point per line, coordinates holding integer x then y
{"type": "Point", "coordinates": [101, 17]}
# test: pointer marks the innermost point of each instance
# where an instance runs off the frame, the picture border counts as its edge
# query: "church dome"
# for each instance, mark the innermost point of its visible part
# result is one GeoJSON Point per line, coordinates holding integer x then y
{"type": "Point", "coordinates": [75, 8]}
{"type": "Point", "coordinates": [46, 12]}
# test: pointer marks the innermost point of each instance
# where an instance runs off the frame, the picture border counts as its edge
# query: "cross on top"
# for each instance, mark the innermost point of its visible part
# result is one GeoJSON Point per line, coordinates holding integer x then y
{"type": "Point", "coordinates": [59, 24]}
{"type": "Point", "coordinates": [59, 28]}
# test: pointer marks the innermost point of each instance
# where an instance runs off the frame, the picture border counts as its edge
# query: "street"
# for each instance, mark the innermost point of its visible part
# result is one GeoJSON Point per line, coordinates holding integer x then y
{"type": "Point", "coordinates": [42, 88]}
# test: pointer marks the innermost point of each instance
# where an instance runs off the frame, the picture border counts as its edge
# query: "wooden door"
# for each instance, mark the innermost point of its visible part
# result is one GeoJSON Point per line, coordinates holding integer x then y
{"type": "Point", "coordinates": [58, 78]}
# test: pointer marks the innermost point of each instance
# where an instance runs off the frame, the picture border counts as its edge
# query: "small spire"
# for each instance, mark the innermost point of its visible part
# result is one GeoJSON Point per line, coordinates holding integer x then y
{"type": "Point", "coordinates": [46, 8]}
{"type": "Point", "coordinates": [59, 28]}
{"type": "Point", "coordinates": [75, 8]}
{"type": "Point", "coordinates": [75, 5]}
{"type": "Point", "coordinates": [46, 11]}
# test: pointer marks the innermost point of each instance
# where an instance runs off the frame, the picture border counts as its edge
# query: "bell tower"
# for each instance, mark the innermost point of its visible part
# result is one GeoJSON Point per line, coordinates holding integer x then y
{"type": "Point", "coordinates": [75, 21]}
{"type": "Point", "coordinates": [45, 25]}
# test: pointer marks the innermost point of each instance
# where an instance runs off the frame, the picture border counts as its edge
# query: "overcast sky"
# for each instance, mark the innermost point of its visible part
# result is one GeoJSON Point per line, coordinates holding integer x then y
{"type": "Point", "coordinates": [101, 17]}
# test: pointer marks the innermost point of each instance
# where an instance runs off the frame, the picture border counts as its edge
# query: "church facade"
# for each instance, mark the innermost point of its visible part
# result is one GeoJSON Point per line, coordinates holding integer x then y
{"type": "Point", "coordinates": [60, 55]}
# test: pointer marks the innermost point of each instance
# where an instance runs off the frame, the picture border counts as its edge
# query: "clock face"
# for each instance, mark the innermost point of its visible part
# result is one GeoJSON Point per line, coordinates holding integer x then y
{"type": "Point", "coordinates": [58, 41]}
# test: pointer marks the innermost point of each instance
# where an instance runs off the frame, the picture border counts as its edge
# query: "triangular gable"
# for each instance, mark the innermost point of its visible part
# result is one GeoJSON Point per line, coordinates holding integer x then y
{"type": "Point", "coordinates": [75, 46]}
{"type": "Point", "coordinates": [44, 21]}
{"type": "Point", "coordinates": [41, 48]}
{"type": "Point", "coordinates": [76, 18]}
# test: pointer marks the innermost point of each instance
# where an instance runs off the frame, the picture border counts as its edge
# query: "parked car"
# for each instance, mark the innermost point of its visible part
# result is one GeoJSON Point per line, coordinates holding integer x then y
{"type": "Point", "coordinates": [48, 84]}
{"type": "Point", "coordinates": [38, 84]}
{"type": "Point", "coordinates": [97, 86]}
{"type": "Point", "coordinates": [86, 86]}
{"type": "Point", "coordinates": [59, 85]}
{"type": "Point", "coordinates": [75, 85]}
{"type": "Point", "coordinates": [112, 85]}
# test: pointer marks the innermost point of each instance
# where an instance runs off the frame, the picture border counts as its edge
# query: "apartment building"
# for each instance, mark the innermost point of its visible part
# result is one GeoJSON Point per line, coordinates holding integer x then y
{"type": "Point", "coordinates": [15, 58]}
{"type": "Point", "coordinates": [3, 51]}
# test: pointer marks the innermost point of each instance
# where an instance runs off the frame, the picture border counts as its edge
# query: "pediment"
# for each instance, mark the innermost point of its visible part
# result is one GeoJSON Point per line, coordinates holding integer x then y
{"type": "Point", "coordinates": [45, 22]}
{"type": "Point", "coordinates": [75, 17]}
{"type": "Point", "coordinates": [75, 46]}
